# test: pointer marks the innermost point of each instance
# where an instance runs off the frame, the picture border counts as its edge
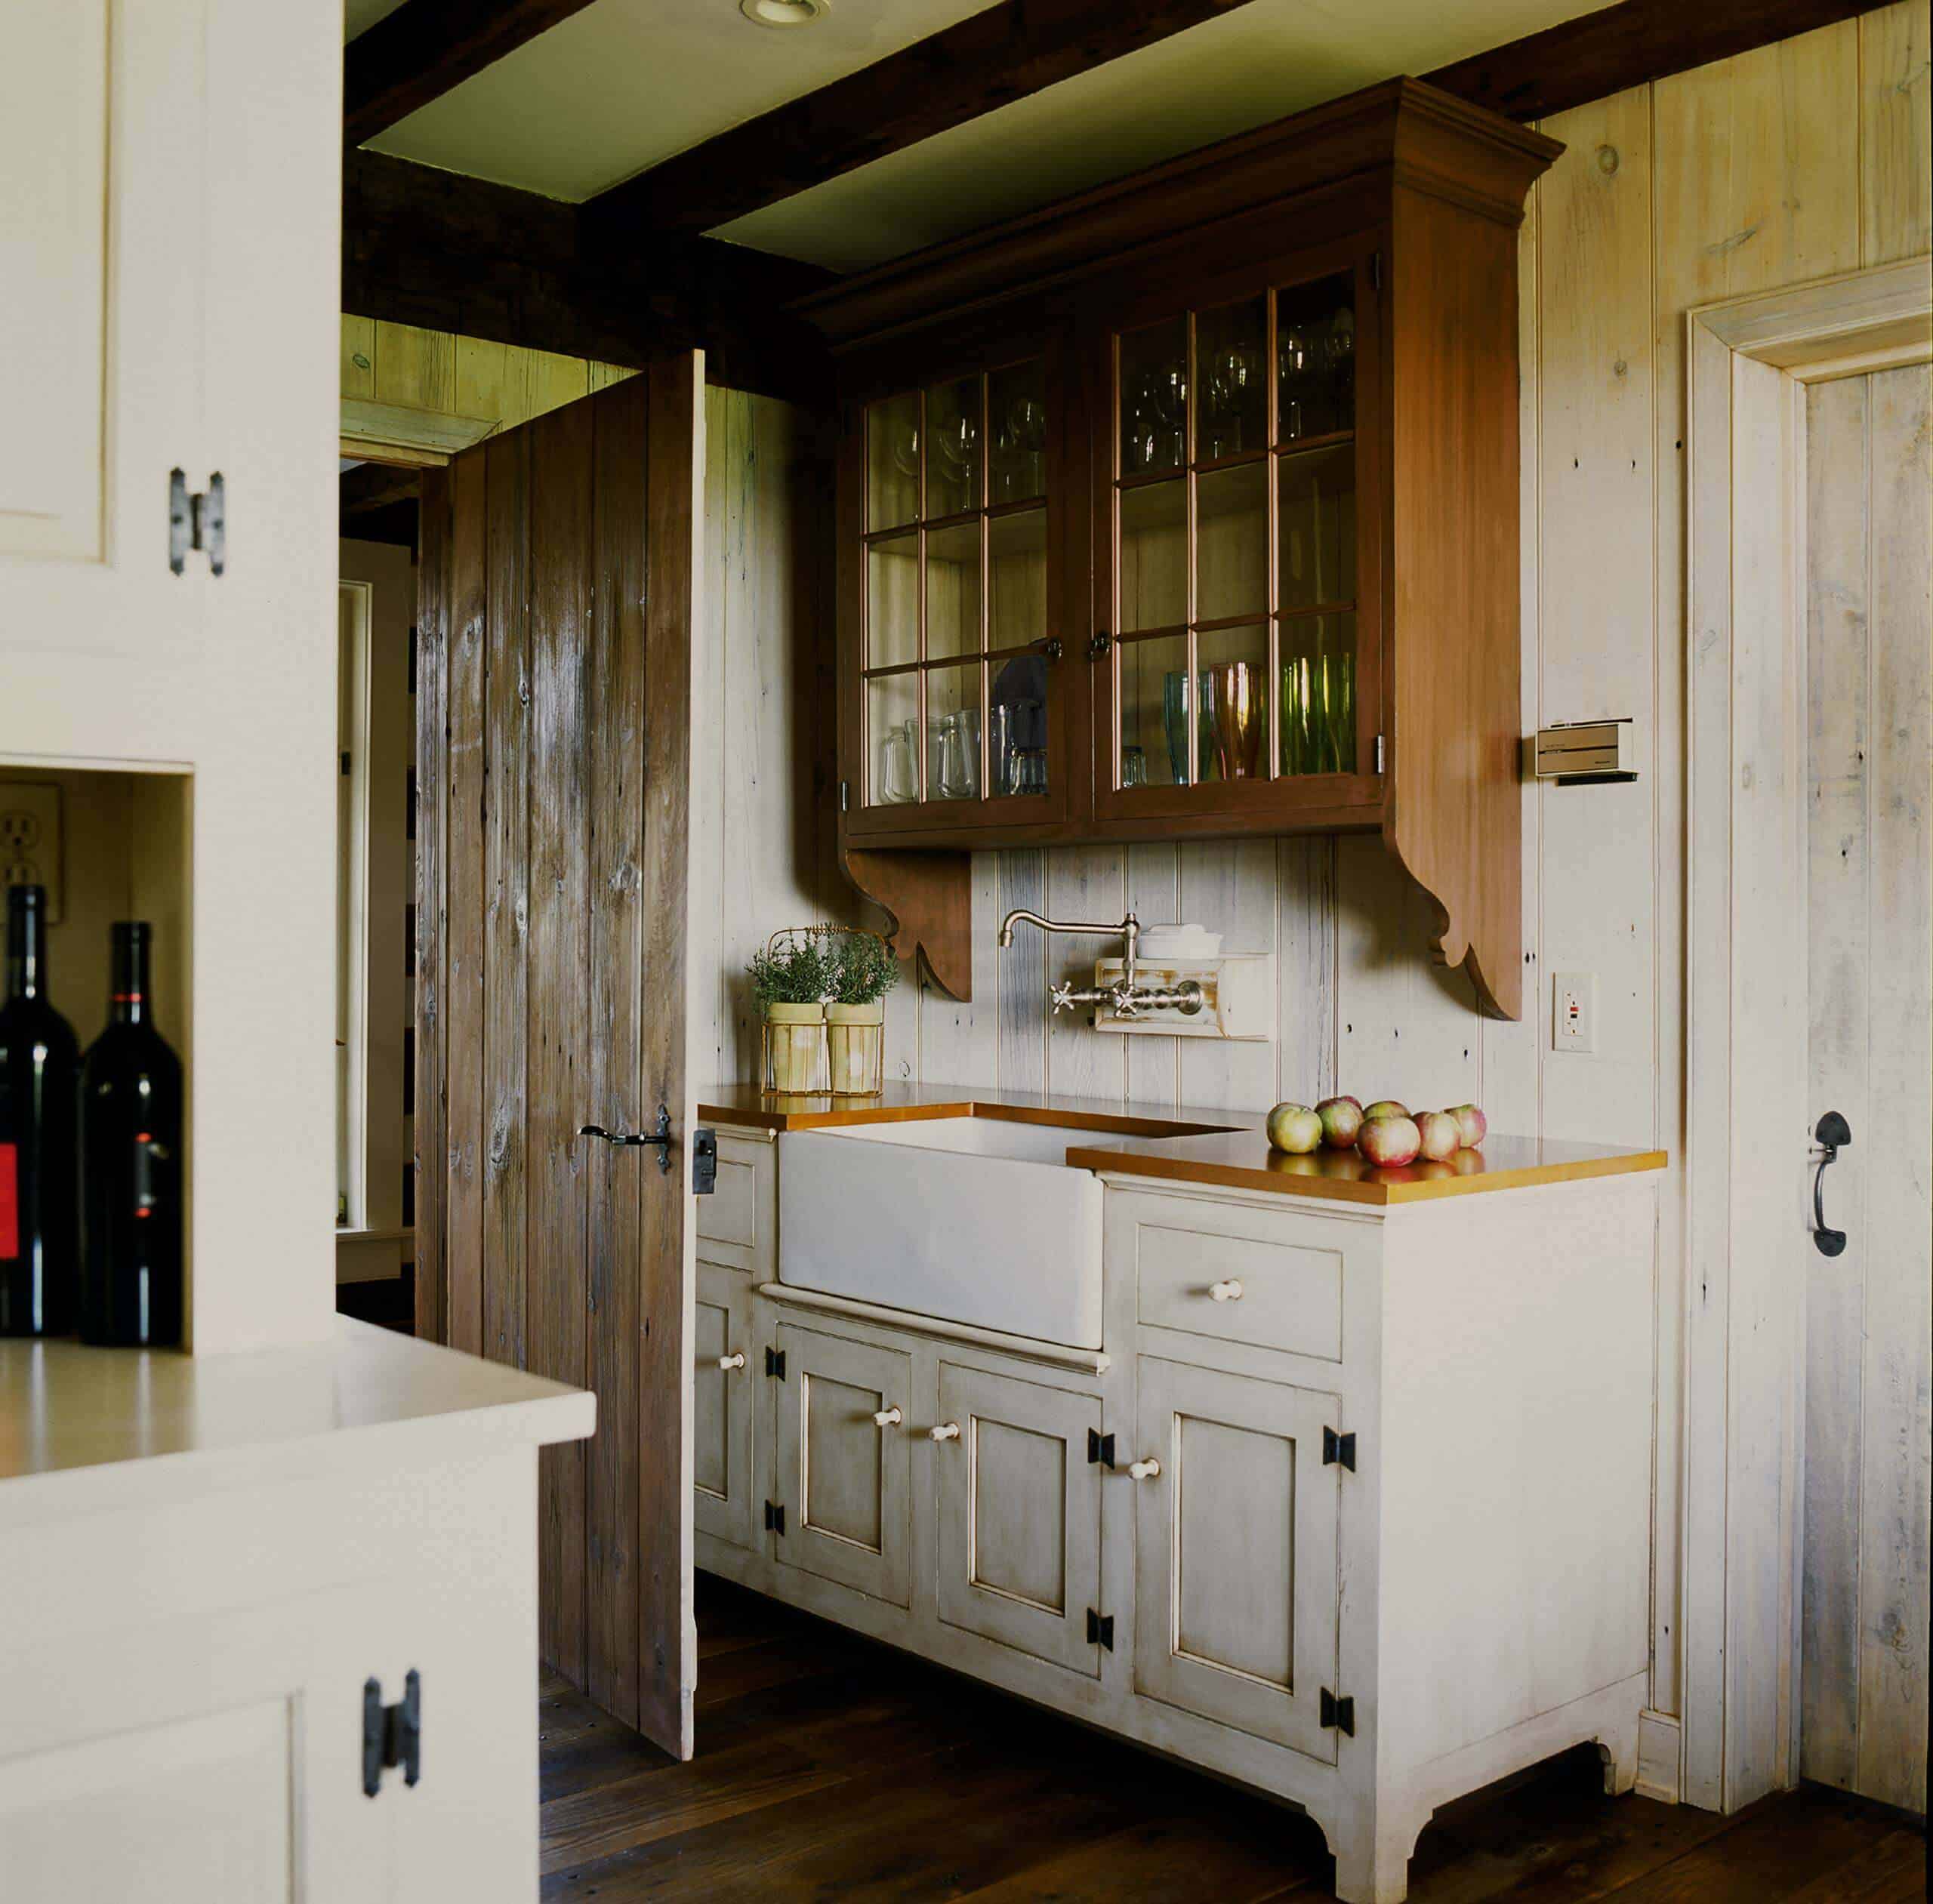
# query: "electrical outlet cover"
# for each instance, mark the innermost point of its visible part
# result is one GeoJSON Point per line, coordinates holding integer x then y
{"type": "Point", "coordinates": [30, 839]}
{"type": "Point", "coordinates": [1573, 1011]}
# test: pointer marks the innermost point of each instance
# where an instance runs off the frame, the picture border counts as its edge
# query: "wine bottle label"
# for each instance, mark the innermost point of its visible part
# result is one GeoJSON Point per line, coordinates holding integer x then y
{"type": "Point", "coordinates": [10, 1202]}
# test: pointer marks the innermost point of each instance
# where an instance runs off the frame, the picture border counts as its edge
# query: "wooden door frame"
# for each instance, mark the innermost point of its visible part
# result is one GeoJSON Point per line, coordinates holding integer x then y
{"type": "Point", "coordinates": [1749, 361]}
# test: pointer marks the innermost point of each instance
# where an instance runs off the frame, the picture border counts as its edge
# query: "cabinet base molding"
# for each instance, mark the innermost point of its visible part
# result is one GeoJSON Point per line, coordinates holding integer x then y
{"type": "Point", "coordinates": [1659, 1748]}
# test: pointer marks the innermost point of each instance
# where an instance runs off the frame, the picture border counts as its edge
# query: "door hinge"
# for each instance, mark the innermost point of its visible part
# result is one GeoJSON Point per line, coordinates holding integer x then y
{"type": "Point", "coordinates": [1338, 1450]}
{"type": "Point", "coordinates": [775, 1518]}
{"type": "Point", "coordinates": [1339, 1713]}
{"type": "Point", "coordinates": [392, 1735]}
{"type": "Point", "coordinates": [704, 1162]}
{"type": "Point", "coordinates": [842, 787]}
{"type": "Point", "coordinates": [1375, 270]}
{"type": "Point", "coordinates": [1100, 1449]}
{"type": "Point", "coordinates": [197, 520]}
{"type": "Point", "coordinates": [775, 1362]}
{"type": "Point", "coordinates": [1101, 1630]}
{"type": "Point", "coordinates": [1379, 753]}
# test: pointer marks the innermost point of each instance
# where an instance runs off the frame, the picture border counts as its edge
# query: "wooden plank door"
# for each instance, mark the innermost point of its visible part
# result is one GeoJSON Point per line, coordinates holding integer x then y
{"type": "Point", "coordinates": [555, 719]}
{"type": "Point", "coordinates": [1869, 1438]}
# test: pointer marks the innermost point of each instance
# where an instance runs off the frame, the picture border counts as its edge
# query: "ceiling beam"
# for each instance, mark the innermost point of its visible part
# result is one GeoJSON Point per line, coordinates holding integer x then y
{"type": "Point", "coordinates": [987, 60]}
{"type": "Point", "coordinates": [417, 53]}
{"type": "Point", "coordinates": [1600, 54]}
{"type": "Point", "coordinates": [376, 486]}
{"type": "Point", "coordinates": [433, 248]}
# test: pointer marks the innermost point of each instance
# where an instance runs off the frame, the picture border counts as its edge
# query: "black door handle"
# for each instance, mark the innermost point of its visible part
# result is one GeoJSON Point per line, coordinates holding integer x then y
{"type": "Point", "coordinates": [1833, 1133]}
{"type": "Point", "coordinates": [659, 1134]}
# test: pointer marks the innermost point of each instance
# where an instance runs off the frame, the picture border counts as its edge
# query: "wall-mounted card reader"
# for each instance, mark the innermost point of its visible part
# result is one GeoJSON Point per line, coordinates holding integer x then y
{"type": "Point", "coordinates": [1584, 753]}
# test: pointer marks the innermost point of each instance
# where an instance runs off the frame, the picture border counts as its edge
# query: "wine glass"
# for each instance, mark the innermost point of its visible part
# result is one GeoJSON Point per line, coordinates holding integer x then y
{"type": "Point", "coordinates": [1297, 349]}
{"type": "Point", "coordinates": [1339, 365]}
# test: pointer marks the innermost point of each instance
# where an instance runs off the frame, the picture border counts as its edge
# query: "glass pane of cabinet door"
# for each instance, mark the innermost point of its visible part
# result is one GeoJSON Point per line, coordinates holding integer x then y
{"type": "Point", "coordinates": [1229, 540]}
{"type": "Point", "coordinates": [955, 706]}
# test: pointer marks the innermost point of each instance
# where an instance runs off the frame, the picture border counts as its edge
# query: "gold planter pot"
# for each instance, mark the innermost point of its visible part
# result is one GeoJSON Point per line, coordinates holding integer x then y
{"type": "Point", "coordinates": [855, 1043]}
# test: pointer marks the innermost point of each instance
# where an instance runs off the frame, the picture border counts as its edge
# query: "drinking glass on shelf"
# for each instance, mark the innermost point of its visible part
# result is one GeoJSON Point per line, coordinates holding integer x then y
{"type": "Point", "coordinates": [1232, 395]}
{"type": "Point", "coordinates": [1030, 770]}
{"type": "Point", "coordinates": [1027, 427]}
{"type": "Point", "coordinates": [1133, 766]}
{"type": "Point", "coordinates": [1300, 352]}
{"type": "Point", "coordinates": [898, 755]}
{"type": "Point", "coordinates": [959, 770]}
{"type": "Point", "coordinates": [1240, 717]}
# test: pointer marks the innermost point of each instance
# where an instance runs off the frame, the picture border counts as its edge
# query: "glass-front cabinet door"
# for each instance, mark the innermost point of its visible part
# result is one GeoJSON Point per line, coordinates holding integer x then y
{"type": "Point", "coordinates": [1241, 672]}
{"type": "Point", "coordinates": [956, 724]}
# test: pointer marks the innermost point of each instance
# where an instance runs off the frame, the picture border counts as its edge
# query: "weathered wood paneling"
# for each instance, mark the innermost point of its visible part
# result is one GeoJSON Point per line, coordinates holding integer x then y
{"type": "Point", "coordinates": [617, 1091]}
{"type": "Point", "coordinates": [506, 897]}
{"type": "Point", "coordinates": [561, 520]}
{"type": "Point", "coordinates": [463, 980]}
{"type": "Point", "coordinates": [676, 867]}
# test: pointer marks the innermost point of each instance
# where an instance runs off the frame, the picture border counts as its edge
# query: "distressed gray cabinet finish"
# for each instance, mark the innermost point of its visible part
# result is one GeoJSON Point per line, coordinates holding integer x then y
{"type": "Point", "coordinates": [842, 1475]}
{"type": "Point", "coordinates": [1351, 1506]}
{"type": "Point", "coordinates": [1019, 1515]}
{"type": "Point", "coordinates": [1235, 1588]}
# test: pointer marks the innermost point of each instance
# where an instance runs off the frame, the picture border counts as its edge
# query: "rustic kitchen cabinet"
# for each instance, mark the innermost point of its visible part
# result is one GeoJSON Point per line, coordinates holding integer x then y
{"type": "Point", "coordinates": [1189, 507]}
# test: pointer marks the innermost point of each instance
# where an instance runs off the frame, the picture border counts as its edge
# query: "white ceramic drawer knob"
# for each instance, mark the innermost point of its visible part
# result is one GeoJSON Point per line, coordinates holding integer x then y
{"type": "Point", "coordinates": [888, 1418]}
{"type": "Point", "coordinates": [1144, 1471]}
{"type": "Point", "coordinates": [946, 1431]}
{"type": "Point", "coordinates": [728, 1363]}
{"type": "Point", "coordinates": [1228, 1291]}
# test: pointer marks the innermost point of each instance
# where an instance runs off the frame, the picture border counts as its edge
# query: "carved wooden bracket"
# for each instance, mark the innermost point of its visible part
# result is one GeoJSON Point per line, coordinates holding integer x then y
{"type": "Point", "coordinates": [928, 899]}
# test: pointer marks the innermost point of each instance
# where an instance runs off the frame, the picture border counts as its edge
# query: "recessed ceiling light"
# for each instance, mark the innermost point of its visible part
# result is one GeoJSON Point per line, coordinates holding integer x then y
{"type": "Point", "coordinates": [784, 12]}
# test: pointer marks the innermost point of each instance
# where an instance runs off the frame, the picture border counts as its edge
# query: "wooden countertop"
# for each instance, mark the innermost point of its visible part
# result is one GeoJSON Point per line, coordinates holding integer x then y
{"type": "Point", "coordinates": [1229, 1148]}
{"type": "Point", "coordinates": [84, 1430]}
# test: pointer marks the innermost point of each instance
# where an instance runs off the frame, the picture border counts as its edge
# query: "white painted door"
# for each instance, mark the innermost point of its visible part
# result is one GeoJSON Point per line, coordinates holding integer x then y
{"type": "Point", "coordinates": [1869, 1429]}
{"type": "Point", "coordinates": [727, 1377]}
{"type": "Point", "coordinates": [103, 137]}
{"type": "Point", "coordinates": [843, 1478]}
{"type": "Point", "coordinates": [1020, 1515]}
{"type": "Point", "coordinates": [1236, 1591]}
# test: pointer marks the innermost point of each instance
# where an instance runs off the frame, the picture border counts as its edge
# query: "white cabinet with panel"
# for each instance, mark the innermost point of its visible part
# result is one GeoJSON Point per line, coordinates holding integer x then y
{"type": "Point", "coordinates": [1019, 1504]}
{"type": "Point", "coordinates": [725, 1392]}
{"type": "Point", "coordinates": [1235, 1584]}
{"type": "Point", "coordinates": [1350, 1506]}
{"type": "Point", "coordinates": [842, 1467]}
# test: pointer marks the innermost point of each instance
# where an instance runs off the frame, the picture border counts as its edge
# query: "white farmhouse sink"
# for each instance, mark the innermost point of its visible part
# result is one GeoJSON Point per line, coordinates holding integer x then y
{"type": "Point", "coordinates": [972, 1219]}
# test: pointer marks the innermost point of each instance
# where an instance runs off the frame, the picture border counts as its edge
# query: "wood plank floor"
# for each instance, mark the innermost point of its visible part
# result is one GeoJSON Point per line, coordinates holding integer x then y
{"type": "Point", "coordinates": [831, 1768]}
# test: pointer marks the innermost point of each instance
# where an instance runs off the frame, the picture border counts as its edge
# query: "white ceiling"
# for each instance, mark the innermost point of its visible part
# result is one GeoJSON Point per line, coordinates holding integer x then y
{"type": "Point", "coordinates": [626, 83]}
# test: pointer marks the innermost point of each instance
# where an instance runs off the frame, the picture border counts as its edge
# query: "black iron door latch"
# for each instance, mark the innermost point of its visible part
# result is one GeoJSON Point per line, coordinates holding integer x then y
{"type": "Point", "coordinates": [659, 1134]}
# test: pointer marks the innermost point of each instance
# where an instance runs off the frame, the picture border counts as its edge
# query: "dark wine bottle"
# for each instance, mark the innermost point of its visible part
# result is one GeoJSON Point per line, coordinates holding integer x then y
{"type": "Point", "coordinates": [40, 1063]}
{"type": "Point", "coordinates": [131, 1203]}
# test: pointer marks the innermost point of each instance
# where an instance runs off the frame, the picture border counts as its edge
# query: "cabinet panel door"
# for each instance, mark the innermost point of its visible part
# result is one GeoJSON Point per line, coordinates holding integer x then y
{"type": "Point", "coordinates": [103, 129]}
{"type": "Point", "coordinates": [176, 1814]}
{"type": "Point", "coordinates": [843, 1478]}
{"type": "Point", "coordinates": [1235, 1552]}
{"type": "Point", "coordinates": [1019, 1515]}
{"type": "Point", "coordinates": [725, 1481]}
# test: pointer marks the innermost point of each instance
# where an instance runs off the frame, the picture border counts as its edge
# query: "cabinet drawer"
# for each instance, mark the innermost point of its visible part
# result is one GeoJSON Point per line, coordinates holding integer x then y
{"type": "Point", "coordinates": [1243, 1276]}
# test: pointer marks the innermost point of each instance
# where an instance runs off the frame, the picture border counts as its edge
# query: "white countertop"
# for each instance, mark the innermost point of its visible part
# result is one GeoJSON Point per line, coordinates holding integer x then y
{"type": "Point", "coordinates": [86, 1430]}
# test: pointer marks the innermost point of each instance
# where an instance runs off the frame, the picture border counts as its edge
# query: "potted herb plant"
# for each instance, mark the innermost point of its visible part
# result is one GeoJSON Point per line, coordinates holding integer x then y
{"type": "Point", "coordinates": [864, 972]}
{"type": "Point", "coordinates": [791, 974]}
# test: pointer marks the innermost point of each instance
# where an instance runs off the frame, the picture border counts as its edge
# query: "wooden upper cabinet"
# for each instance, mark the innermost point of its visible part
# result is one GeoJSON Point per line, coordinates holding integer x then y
{"type": "Point", "coordinates": [1189, 508]}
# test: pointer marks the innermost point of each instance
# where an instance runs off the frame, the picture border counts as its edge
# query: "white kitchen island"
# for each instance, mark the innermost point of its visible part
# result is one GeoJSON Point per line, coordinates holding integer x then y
{"type": "Point", "coordinates": [204, 1560]}
{"type": "Point", "coordinates": [1349, 1501]}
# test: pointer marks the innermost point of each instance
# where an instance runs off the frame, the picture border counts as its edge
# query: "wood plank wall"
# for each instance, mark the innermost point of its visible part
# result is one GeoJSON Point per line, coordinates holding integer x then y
{"type": "Point", "coordinates": [1794, 162]}
{"type": "Point", "coordinates": [445, 373]}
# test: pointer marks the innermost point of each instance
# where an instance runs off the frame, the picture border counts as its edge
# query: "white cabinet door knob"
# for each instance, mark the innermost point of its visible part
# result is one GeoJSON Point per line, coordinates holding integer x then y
{"type": "Point", "coordinates": [888, 1418]}
{"type": "Point", "coordinates": [1144, 1471]}
{"type": "Point", "coordinates": [728, 1363]}
{"type": "Point", "coordinates": [1228, 1291]}
{"type": "Point", "coordinates": [946, 1431]}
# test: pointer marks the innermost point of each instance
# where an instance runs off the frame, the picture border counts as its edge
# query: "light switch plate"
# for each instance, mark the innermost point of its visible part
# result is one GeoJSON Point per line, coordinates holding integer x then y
{"type": "Point", "coordinates": [1573, 1011]}
{"type": "Point", "coordinates": [30, 839]}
